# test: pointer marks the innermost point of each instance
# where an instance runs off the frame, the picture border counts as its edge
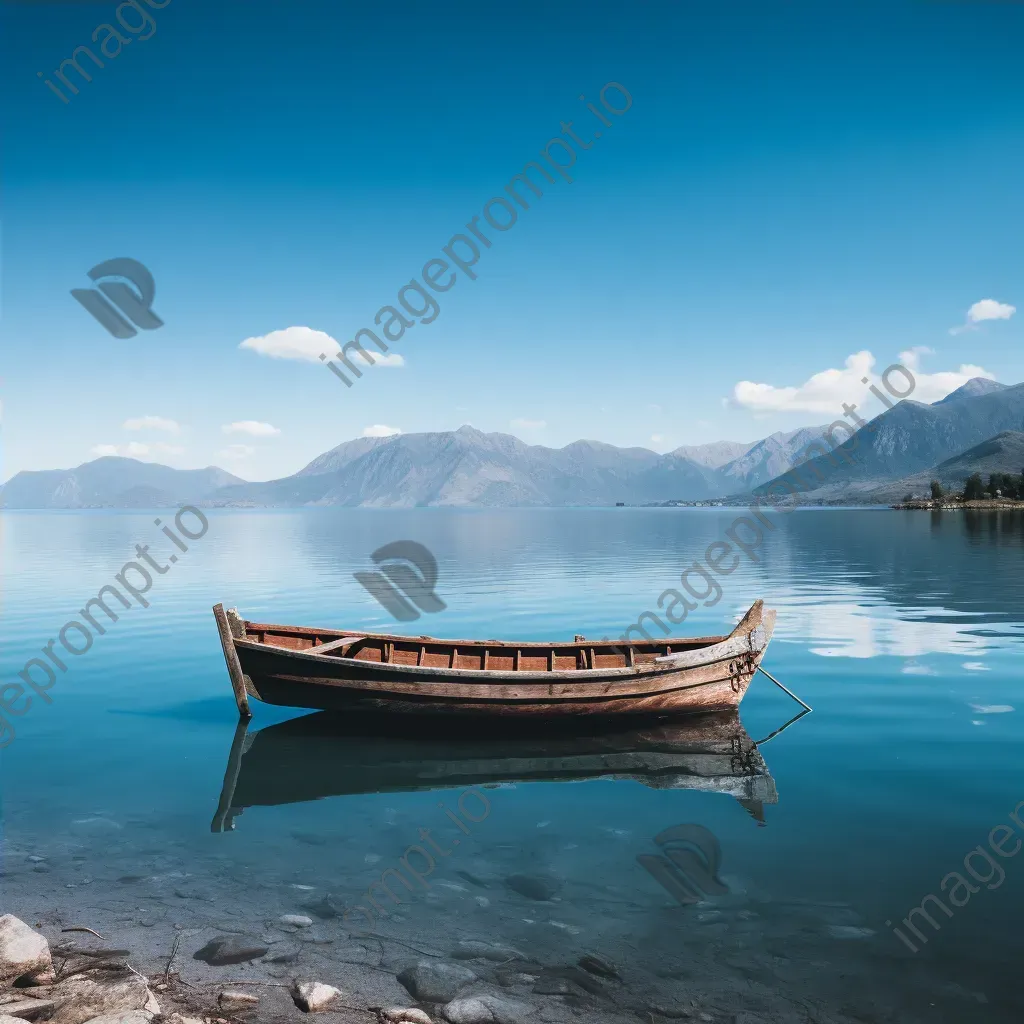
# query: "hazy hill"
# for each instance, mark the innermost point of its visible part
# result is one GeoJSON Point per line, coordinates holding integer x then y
{"type": "Point", "coordinates": [113, 482]}
{"type": "Point", "coordinates": [766, 459]}
{"type": "Point", "coordinates": [469, 467]}
{"type": "Point", "coordinates": [714, 454]}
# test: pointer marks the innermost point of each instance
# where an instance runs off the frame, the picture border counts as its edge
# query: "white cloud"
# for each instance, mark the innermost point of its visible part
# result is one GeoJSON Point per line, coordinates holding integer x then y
{"type": "Point", "coordinates": [827, 391]}
{"type": "Point", "coordinates": [657, 438]}
{"type": "Point", "coordinates": [380, 430]}
{"type": "Point", "coordinates": [308, 345]}
{"type": "Point", "coordinates": [521, 424]}
{"type": "Point", "coordinates": [824, 392]}
{"type": "Point", "coordinates": [132, 450]}
{"type": "Point", "coordinates": [152, 423]}
{"type": "Point", "coordinates": [986, 309]}
{"type": "Point", "coordinates": [293, 343]}
{"type": "Point", "coordinates": [254, 428]}
{"type": "Point", "coordinates": [930, 387]}
{"type": "Point", "coordinates": [391, 359]}
{"type": "Point", "coordinates": [236, 451]}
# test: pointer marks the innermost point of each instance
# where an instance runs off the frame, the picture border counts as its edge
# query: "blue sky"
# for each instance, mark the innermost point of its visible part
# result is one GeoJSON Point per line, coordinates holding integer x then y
{"type": "Point", "coordinates": [792, 185]}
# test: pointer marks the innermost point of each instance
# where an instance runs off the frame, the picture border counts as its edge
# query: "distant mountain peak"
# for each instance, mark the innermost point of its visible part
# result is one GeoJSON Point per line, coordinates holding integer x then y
{"type": "Point", "coordinates": [975, 387]}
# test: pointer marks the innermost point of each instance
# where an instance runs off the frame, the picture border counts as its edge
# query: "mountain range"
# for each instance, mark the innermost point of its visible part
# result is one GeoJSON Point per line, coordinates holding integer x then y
{"type": "Point", "coordinates": [915, 442]}
{"type": "Point", "coordinates": [974, 427]}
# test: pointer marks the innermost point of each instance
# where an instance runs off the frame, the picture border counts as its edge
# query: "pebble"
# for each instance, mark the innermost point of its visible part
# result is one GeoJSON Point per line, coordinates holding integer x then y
{"type": "Point", "coordinates": [296, 920]}
{"type": "Point", "coordinates": [231, 950]}
{"type": "Point", "coordinates": [234, 999]}
{"type": "Point", "coordinates": [434, 981]}
{"type": "Point", "coordinates": [475, 949]}
{"type": "Point", "coordinates": [485, 1010]}
{"type": "Point", "coordinates": [284, 953]}
{"type": "Point", "coordinates": [401, 1015]}
{"type": "Point", "coordinates": [313, 996]}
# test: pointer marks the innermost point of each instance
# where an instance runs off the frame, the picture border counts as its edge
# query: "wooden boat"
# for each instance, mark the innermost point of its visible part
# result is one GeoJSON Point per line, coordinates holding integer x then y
{"type": "Point", "coordinates": [331, 670]}
{"type": "Point", "coordinates": [324, 755]}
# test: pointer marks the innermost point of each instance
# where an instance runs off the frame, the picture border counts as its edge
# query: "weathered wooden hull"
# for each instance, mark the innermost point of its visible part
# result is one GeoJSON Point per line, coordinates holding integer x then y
{"type": "Point", "coordinates": [405, 675]}
{"type": "Point", "coordinates": [325, 755]}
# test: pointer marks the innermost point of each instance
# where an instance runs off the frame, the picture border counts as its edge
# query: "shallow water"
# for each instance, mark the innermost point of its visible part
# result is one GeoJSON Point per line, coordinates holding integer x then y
{"type": "Point", "coordinates": [902, 630]}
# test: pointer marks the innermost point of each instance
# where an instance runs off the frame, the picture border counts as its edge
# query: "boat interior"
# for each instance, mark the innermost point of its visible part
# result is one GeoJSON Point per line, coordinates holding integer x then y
{"type": "Point", "coordinates": [477, 655]}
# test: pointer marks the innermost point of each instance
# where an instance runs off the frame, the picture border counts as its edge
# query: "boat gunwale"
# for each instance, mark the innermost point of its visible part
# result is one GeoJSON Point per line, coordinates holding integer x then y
{"type": "Point", "coordinates": [736, 644]}
{"type": "Point", "coordinates": [265, 627]}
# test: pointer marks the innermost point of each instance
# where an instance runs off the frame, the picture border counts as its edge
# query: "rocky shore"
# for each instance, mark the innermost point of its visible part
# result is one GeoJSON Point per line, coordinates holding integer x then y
{"type": "Point", "coordinates": [122, 923]}
{"type": "Point", "coordinates": [981, 504]}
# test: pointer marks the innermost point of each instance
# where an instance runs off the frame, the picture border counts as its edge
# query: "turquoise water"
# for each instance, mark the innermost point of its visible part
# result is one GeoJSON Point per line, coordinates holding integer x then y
{"type": "Point", "coordinates": [902, 630]}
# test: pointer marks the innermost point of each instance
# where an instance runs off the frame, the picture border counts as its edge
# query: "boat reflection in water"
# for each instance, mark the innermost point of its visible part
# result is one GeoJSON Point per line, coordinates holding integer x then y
{"type": "Point", "coordinates": [323, 754]}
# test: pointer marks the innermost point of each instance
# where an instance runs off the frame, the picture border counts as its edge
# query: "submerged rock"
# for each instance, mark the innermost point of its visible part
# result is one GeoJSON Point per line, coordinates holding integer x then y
{"type": "Point", "coordinates": [474, 949]}
{"type": "Point", "coordinates": [594, 964]}
{"type": "Point", "coordinates": [533, 887]}
{"type": "Point", "coordinates": [324, 909]}
{"type": "Point", "coordinates": [435, 981]}
{"type": "Point", "coordinates": [23, 952]}
{"type": "Point", "coordinates": [295, 920]}
{"type": "Point", "coordinates": [235, 949]}
{"type": "Point", "coordinates": [399, 1015]}
{"type": "Point", "coordinates": [313, 996]}
{"type": "Point", "coordinates": [79, 999]}
{"type": "Point", "coordinates": [235, 999]}
{"type": "Point", "coordinates": [486, 1010]}
{"type": "Point", "coordinates": [125, 1017]}
{"type": "Point", "coordinates": [283, 953]}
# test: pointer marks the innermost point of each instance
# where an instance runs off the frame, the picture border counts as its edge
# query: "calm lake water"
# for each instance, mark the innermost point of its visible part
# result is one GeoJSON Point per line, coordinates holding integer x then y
{"type": "Point", "coordinates": [903, 630]}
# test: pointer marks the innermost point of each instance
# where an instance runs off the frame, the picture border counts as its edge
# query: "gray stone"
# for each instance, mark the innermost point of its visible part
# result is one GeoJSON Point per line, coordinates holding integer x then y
{"type": "Point", "coordinates": [79, 999]}
{"type": "Point", "coordinates": [399, 1015]}
{"type": "Point", "coordinates": [23, 951]}
{"type": "Point", "coordinates": [123, 1017]}
{"type": "Point", "coordinates": [296, 920]}
{"type": "Point", "coordinates": [235, 999]}
{"type": "Point", "coordinates": [486, 1010]}
{"type": "Point", "coordinates": [313, 996]}
{"type": "Point", "coordinates": [435, 981]}
{"type": "Point", "coordinates": [533, 887]}
{"type": "Point", "coordinates": [473, 949]}
{"type": "Point", "coordinates": [283, 953]}
{"type": "Point", "coordinates": [670, 1011]}
{"type": "Point", "coordinates": [594, 964]}
{"type": "Point", "coordinates": [234, 949]}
